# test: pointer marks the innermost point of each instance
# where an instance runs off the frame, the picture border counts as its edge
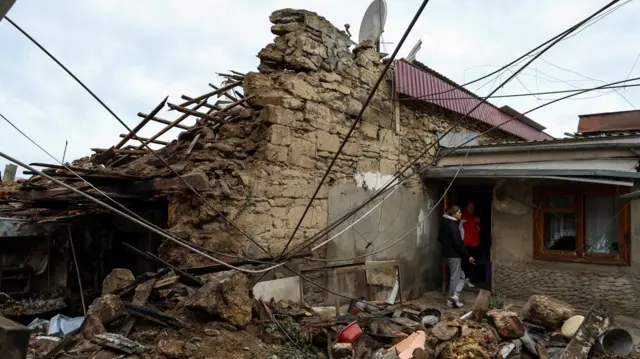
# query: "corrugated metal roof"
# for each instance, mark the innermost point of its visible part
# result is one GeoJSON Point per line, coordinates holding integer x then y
{"type": "Point", "coordinates": [592, 138]}
{"type": "Point", "coordinates": [609, 122]}
{"type": "Point", "coordinates": [427, 85]}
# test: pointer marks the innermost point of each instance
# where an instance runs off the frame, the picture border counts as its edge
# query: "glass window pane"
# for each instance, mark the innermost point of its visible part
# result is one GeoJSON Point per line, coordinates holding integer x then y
{"type": "Point", "coordinates": [600, 225]}
{"type": "Point", "coordinates": [560, 232]}
{"type": "Point", "coordinates": [560, 202]}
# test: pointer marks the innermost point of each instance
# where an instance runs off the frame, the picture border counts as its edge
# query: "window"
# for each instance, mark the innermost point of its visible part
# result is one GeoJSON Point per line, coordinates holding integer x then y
{"type": "Point", "coordinates": [581, 224]}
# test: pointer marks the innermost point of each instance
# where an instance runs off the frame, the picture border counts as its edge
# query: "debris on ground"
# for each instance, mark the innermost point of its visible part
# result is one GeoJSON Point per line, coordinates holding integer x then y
{"type": "Point", "coordinates": [222, 319]}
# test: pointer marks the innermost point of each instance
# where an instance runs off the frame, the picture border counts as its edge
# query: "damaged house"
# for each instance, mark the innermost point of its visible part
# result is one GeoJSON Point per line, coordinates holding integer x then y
{"type": "Point", "coordinates": [563, 213]}
{"type": "Point", "coordinates": [260, 145]}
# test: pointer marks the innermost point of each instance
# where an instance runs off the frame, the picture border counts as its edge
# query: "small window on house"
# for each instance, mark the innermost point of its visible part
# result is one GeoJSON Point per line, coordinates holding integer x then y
{"type": "Point", "coordinates": [581, 224]}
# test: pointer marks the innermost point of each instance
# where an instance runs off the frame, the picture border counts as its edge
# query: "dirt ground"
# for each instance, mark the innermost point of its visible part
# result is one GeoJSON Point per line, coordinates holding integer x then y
{"type": "Point", "coordinates": [436, 300]}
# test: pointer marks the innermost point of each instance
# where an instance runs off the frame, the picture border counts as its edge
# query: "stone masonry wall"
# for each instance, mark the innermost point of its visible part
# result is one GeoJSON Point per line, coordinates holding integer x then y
{"type": "Point", "coordinates": [309, 89]}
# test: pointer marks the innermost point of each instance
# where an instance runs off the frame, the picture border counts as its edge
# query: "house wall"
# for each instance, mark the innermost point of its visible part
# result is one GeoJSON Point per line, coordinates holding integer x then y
{"type": "Point", "coordinates": [309, 89]}
{"type": "Point", "coordinates": [517, 275]}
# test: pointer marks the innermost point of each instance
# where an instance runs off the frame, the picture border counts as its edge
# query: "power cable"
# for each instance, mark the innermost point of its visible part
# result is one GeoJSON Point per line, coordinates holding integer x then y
{"type": "Point", "coordinates": [135, 137]}
{"type": "Point", "coordinates": [356, 121]}
{"type": "Point", "coordinates": [132, 213]}
{"type": "Point", "coordinates": [592, 21]}
{"type": "Point", "coordinates": [457, 172]}
{"type": "Point", "coordinates": [134, 220]}
{"type": "Point", "coordinates": [166, 164]}
{"type": "Point", "coordinates": [414, 161]}
{"type": "Point", "coordinates": [528, 94]}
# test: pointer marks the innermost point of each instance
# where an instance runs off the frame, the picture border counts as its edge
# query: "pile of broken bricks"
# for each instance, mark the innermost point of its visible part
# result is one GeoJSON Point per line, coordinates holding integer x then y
{"type": "Point", "coordinates": [169, 315]}
{"type": "Point", "coordinates": [546, 328]}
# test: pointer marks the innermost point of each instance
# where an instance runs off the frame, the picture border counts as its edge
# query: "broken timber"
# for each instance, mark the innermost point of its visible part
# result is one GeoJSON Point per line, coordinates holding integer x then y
{"type": "Point", "coordinates": [143, 291]}
{"type": "Point", "coordinates": [596, 322]}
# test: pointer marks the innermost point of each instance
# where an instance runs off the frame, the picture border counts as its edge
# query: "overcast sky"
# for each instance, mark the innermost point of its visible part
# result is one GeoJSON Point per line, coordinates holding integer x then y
{"type": "Point", "coordinates": [133, 53]}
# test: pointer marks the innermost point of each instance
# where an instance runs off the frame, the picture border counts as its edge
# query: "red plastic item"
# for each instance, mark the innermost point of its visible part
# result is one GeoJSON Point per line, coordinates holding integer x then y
{"type": "Point", "coordinates": [350, 333]}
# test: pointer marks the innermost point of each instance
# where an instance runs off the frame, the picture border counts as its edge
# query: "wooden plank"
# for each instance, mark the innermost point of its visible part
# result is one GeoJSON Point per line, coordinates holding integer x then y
{"type": "Point", "coordinates": [204, 104]}
{"type": "Point", "coordinates": [187, 278]}
{"type": "Point", "coordinates": [121, 151]}
{"type": "Point", "coordinates": [166, 129]}
{"type": "Point", "coordinates": [480, 306]}
{"type": "Point", "coordinates": [147, 140]}
{"type": "Point", "coordinates": [142, 123]}
{"type": "Point", "coordinates": [194, 113]}
{"type": "Point", "coordinates": [163, 121]}
{"type": "Point", "coordinates": [84, 170]}
{"type": "Point", "coordinates": [193, 144]}
{"type": "Point", "coordinates": [596, 322]}
{"type": "Point", "coordinates": [140, 298]}
{"type": "Point", "coordinates": [212, 93]}
{"type": "Point", "coordinates": [9, 173]}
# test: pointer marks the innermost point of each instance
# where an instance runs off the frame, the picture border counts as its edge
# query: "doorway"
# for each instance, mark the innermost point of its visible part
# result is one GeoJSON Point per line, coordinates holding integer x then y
{"type": "Point", "coordinates": [482, 198]}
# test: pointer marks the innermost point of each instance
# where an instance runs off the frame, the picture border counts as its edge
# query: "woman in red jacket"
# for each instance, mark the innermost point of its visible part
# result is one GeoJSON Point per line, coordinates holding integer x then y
{"type": "Point", "coordinates": [470, 231]}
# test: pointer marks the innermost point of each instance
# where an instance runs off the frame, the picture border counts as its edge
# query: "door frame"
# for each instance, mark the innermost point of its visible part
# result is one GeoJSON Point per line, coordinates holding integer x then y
{"type": "Point", "coordinates": [446, 202]}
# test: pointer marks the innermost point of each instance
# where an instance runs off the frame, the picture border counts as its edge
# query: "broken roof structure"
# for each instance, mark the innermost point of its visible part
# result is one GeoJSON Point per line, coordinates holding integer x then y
{"type": "Point", "coordinates": [238, 181]}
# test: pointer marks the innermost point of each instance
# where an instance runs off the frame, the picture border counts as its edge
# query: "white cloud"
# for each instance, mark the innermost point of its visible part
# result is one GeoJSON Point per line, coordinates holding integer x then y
{"type": "Point", "coordinates": [133, 53]}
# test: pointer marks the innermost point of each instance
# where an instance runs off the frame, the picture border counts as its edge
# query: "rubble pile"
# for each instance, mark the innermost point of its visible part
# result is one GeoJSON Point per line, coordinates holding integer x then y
{"type": "Point", "coordinates": [162, 315]}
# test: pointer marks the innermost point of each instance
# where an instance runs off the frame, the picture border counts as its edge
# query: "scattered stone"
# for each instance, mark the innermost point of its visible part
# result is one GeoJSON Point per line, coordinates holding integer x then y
{"type": "Point", "coordinates": [92, 327]}
{"type": "Point", "coordinates": [212, 332]}
{"type": "Point", "coordinates": [106, 308]}
{"type": "Point", "coordinates": [443, 331]}
{"type": "Point", "coordinates": [172, 349]}
{"type": "Point", "coordinates": [118, 279]}
{"type": "Point", "coordinates": [429, 320]}
{"type": "Point", "coordinates": [571, 326]}
{"type": "Point", "coordinates": [342, 350]}
{"type": "Point", "coordinates": [507, 323]}
{"type": "Point", "coordinates": [546, 311]}
{"type": "Point", "coordinates": [119, 343]}
{"type": "Point", "coordinates": [226, 297]}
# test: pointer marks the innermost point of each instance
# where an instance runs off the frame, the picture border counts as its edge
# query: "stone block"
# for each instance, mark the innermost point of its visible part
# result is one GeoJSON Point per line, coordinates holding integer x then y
{"type": "Point", "coordinates": [226, 297]}
{"type": "Point", "coordinates": [106, 308]}
{"type": "Point", "coordinates": [327, 142]}
{"type": "Point", "coordinates": [352, 148]}
{"type": "Point", "coordinates": [329, 76]}
{"type": "Point", "coordinates": [370, 130]}
{"type": "Point", "coordinates": [279, 135]}
{"type": "Point", "coordinates": [275, 153]}
{"type": "Point", "coordinates": [298, 87]}
{"type": "Point", "coordinates": [118, 279]}
{"type": "Point", "coordinates": [280, 115]}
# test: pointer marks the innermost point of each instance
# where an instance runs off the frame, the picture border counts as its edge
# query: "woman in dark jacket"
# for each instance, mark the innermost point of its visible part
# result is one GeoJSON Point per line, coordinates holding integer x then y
{"type": "Point", "coordinates": [453, 251]}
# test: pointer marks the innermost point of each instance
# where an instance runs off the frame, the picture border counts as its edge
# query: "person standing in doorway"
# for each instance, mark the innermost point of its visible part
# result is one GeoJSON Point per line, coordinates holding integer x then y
{"type": "Point", "coordinates": [470, 230]}
{"type": "Point", "coordinates": [454, 252]}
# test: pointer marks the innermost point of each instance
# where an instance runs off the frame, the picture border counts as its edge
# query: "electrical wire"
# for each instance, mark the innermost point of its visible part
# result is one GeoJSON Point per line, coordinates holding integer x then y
{"type": "Point", "coordinates": [106, 196]}
{"type": "Point", "coordinates": [133, 219]}
{"type": "Point", "coordinates": [591, 21]}
{"type": "Point", "coordinates": [456, 174]}
{"type": "Point", "coordinates": [312, 239]}
{"type": "Point", "coordinates": [356, 121]}
{"type": "Point", "coordinates": [135, 137]}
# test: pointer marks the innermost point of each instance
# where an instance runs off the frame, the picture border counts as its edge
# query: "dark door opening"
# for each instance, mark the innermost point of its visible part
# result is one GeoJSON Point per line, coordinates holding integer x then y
{"type": "Point", "coordinates": [482, 198]}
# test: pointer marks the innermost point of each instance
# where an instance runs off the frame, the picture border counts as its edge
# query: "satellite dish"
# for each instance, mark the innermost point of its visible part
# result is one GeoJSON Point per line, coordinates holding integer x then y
{"type": "Point", "coordinates": [414, 51]}
{"type": "Point", "coordinates": [372, 25]}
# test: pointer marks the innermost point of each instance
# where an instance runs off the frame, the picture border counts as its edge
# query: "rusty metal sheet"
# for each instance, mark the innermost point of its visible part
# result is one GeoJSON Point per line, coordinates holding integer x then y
{"type": "Point", "coordinates": [609, 122]}
{"type": "Point", "coordinates": [416, 82]}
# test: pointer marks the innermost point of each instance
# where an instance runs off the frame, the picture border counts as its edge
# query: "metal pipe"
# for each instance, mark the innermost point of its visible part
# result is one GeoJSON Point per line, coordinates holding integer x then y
{"type": "Point", "coordinates": [75, 262]}
{"type": "Point", "coordinates": [134, 220]}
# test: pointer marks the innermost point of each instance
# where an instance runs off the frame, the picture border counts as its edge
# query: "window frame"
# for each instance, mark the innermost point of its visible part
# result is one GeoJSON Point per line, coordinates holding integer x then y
{"type": "Point", "coordinates": [541, 197]}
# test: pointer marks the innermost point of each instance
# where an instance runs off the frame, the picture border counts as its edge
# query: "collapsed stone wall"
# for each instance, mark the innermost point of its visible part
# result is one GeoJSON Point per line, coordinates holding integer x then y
{"type": "Point", "coordinates": [310, 86]}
